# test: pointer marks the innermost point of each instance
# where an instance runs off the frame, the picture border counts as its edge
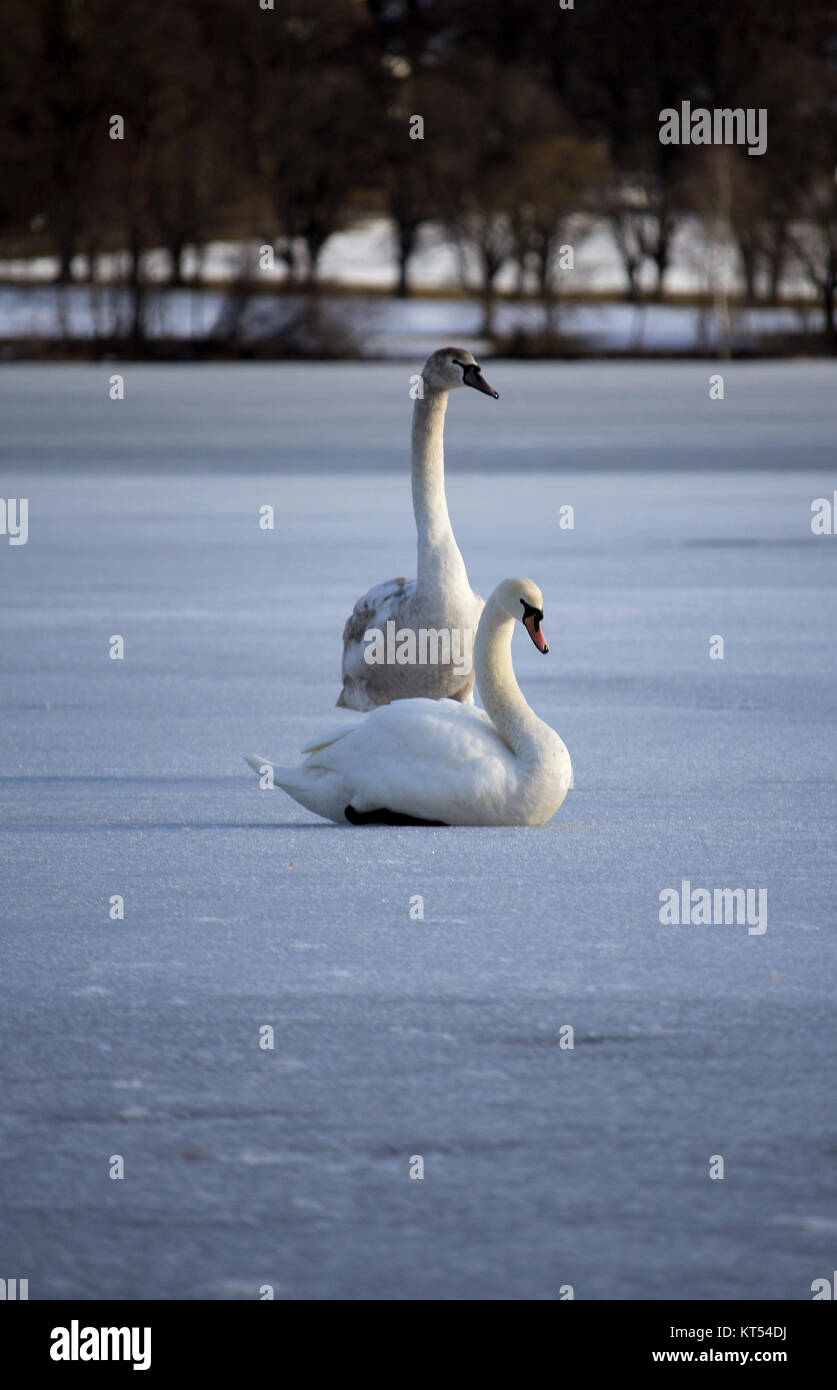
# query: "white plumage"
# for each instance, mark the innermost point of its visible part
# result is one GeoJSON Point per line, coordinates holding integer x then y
{"type": "Point", "coordinates": [440, 760]}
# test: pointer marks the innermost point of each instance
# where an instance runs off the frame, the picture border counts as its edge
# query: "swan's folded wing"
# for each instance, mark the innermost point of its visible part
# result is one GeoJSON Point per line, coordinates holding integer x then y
{"type": "Point", "coordinates": [386, 602]}
{"type": "Point", "coordinates": [351, 721]}
{"type": "Point", "coordinates": [437, 759]}
{"type": "Point", "coordinates": [383, 601]}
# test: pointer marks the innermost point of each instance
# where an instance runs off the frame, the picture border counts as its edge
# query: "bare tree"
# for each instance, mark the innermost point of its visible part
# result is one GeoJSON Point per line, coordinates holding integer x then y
{"type": "Point", "coordinates": [553, 187]}
{"type": "Point", "coordinates": [813, 242]}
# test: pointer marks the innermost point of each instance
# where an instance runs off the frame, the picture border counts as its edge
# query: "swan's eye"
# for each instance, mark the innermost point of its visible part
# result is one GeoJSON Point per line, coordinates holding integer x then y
{"type": "Point", "coordinates": [536, 614]}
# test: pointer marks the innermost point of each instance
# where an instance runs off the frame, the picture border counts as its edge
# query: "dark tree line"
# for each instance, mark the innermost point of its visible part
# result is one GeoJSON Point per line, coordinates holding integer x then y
{"type": "Point", "coordinates": [282, 125]}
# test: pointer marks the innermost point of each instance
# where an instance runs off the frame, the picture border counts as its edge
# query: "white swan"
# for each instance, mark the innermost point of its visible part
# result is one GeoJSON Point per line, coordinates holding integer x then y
{"type": "Point", "coordinates": [439, 602]}
{"type": "Point", "coordinates": [441, 762]}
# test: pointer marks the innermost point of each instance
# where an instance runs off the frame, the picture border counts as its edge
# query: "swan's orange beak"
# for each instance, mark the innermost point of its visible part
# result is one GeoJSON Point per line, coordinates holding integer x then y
{"type": "Point", "coordinates": [535, 634]}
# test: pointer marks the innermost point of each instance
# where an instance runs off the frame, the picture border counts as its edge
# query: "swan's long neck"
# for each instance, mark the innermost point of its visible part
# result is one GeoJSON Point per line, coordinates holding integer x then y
{"type": "Point", "coordinates": [499, 691]}
{"type": "Point", "coordinates": [440, 565]}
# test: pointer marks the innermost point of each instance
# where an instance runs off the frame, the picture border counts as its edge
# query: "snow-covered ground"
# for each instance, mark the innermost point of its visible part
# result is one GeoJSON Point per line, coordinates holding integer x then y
{"type": "Point", "coordinates": [543, 1166]}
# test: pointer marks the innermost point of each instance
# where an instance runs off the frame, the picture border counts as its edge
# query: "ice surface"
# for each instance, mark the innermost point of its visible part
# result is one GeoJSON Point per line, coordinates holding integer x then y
{"type": "Point", "coordinates": [396, 1037]}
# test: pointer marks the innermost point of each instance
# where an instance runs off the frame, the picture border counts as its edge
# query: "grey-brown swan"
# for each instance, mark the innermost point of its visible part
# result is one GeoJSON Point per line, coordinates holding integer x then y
{"type": "Point", "coordinates": [438, 608]}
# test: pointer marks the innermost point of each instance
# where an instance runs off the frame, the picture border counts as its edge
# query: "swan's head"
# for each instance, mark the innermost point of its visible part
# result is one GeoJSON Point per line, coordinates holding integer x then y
{"type": "Point", "coordinates": [451, 367]}
{"type": "Point", "coordinates": [523, 600]}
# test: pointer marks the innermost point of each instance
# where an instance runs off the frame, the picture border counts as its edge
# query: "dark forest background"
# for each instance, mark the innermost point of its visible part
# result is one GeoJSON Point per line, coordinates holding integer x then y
{"type": "Point", "coordinates": [281, 126]}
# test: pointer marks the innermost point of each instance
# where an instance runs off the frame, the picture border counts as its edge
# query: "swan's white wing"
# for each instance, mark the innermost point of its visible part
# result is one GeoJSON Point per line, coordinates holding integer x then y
{"type": "Point", "coordinates": [352, 721]}
{"type": "Point", "coordinates": [434, 759]}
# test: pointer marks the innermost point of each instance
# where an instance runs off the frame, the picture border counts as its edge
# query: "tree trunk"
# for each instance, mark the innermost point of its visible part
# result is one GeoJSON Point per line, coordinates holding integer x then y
{"type": "Point", "coordinates": [314, 243]}
{"type": "Point", "coordinates": [631, 260]}
{"type": "Point", "coordinates": [176, 249]}
{"type": "Point", "coordinates": [407, 230]}
{"type": "Point", "coordinates": [747, 256]}
{"type": "Point", "coordinates": [66, 251]}
{"type": "Point", "coordinates": [631, 267]}
{"type": "Point", "coordinates": [490, 270]}
{"type": "Point", "coordinates": [487, 329]}
{"type": "Point", "coordinates": [777, 263]}
{"type": "Point", "coordinates": [545, 288]}
{"type": "Point", "coordinates": [829, 290]}
{"type": "Point", "coordinates": [136, 285]}
{"type": "Point", "coordinates": [660, 259]}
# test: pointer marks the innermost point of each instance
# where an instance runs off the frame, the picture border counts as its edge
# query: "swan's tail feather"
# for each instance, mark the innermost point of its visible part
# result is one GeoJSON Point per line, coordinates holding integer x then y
{"type": "Point", "coordinates": [289, 779]}
{"type": "Point", "coordinates": [257, 764]}
{"type": "Point", "coordinates": [316, 788]}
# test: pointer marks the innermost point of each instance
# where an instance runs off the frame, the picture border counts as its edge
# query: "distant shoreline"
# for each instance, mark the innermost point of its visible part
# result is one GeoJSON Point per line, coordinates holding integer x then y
{"type": "Point", "coordinates": [80, 322]}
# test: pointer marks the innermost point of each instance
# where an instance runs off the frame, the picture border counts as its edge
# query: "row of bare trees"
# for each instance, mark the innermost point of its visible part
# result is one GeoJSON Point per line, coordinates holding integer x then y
{"type": "Point", "coordinates": [281, 123]}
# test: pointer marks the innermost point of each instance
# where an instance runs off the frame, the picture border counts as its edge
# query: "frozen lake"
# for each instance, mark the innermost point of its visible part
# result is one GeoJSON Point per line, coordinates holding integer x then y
{"type": "Point", "coordinates": [544, 1166]}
